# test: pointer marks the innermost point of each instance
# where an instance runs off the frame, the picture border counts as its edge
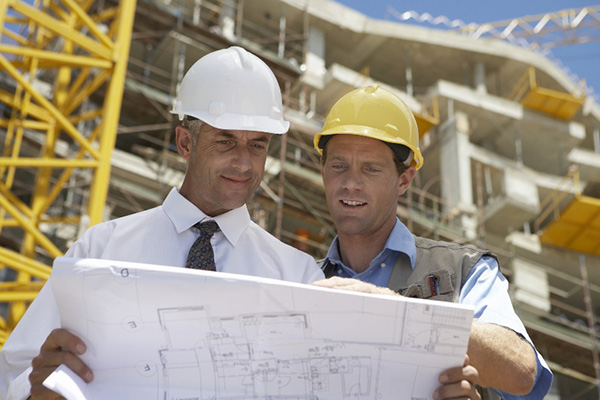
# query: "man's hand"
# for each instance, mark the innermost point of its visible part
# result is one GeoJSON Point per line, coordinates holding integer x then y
{"type": "Point", "coordinates": [61, 347]}
{"type": "Point", "coordinates": [353, 285]}
{"type": "Point", "coordinates": [458, 383]}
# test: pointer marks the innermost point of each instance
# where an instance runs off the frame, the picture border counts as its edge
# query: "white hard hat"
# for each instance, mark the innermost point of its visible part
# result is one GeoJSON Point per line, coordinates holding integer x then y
{"type": "Point", "coordinates": [232, 89]}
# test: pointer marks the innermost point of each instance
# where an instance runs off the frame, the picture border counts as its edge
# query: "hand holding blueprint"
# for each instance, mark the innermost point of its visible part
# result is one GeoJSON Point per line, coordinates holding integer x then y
{"type": "Point", "coordinates": [156, 332]}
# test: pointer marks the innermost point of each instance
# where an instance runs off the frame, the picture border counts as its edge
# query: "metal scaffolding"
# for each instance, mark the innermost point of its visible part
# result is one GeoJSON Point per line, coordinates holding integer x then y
{"type": "Point", "coordinates": [54, 57]}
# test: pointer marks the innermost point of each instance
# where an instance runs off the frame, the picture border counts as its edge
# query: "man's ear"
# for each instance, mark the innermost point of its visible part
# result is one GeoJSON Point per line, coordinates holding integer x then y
{"type": "Point", "coordinates": [406, 179]}
{"type": "Point", "coordinates": [183, 139]}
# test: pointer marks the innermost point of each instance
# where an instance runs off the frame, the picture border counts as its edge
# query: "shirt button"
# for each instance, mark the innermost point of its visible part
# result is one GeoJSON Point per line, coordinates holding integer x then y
{"type": "Point", "coordinates": [339, 271]}
{"type": "Point", "coordinates": [382, 265]}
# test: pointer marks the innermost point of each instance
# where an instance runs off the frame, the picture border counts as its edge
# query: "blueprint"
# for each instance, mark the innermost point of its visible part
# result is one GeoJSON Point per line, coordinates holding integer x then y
{"type": "Point", "coordinates": [156, 332]}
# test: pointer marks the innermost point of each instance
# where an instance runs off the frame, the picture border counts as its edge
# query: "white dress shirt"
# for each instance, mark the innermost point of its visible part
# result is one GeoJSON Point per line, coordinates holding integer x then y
{"type": "Point", "coordinates": [162, 236]}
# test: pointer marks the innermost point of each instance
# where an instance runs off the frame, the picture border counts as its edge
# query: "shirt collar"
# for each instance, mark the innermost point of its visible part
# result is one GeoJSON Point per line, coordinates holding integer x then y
{"type": "Point", "coordinates": [184, 214]}
{"type": "Point", "coordinates": [401, 240]}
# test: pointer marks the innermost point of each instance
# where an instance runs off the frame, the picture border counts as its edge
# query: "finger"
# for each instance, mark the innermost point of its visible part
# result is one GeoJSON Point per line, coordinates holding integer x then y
{"type": "Point", "coordinates": [335, 282]}
{"type": "Point", "coordinates": [63, 339]}
{"type": "Point", "coordinates": [339, 281]}
{"type": "Point", "coordinates": [61, 347]}
{"type": "Point", "coordinates": [454, 375]}
{"type": "Point", "coordinates": [354, 286]}
{"type": "Point", "coordinates": [46, 362]}
{"type": "Point", "coordinates": [40, 392]}
{"type": "Point", "coordinates": [363, 288]}
{"type": "Point", "coordinates": [459, 390]}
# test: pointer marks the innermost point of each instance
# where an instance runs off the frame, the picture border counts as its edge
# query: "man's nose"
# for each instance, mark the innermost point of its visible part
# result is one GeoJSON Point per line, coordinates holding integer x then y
{"type": "Point", "coordinates": [353, 179]}
{"type": "Point", "coordinates": [241, 158]}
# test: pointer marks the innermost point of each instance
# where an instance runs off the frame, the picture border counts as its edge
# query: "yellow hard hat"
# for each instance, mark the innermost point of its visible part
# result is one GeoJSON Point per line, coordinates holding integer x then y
{"type": "Point", "coordinates": [376, 113]}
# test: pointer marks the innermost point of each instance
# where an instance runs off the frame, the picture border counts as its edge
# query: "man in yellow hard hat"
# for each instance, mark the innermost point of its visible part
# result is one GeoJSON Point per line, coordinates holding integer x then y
{"type": "Point", "coordinates": [370, 155]}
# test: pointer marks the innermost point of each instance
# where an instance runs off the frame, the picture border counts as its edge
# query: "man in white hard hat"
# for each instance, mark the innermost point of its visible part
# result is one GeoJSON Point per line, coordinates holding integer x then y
{"type": "Point", "coordinates": [230, 105]}
{"type": "Point", "coordinates": [370, 155]}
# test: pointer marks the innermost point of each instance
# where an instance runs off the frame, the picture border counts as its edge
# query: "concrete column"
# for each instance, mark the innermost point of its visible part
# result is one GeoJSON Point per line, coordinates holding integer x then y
{"type": "Point", "coordinates": [313, 104]}
{"type": "Point", "coordinates": [196, 14]}
{"type": "Point", "coordinates": [450, 108]}
{"type": "Point", "coordinates": [302, 100]}
{"type": "Point", "coordinates": [455, 173]}
{"type": "Point", "coordinates": [479, 77]}
{"type": "Point", "coordinates": [536, 295]}
{"type": "Point", "coordinates": [227, 20]}
{"type": "Point", "coordinates": [315, 58]}
{"type": "Point", "coordinates": [518, 148]}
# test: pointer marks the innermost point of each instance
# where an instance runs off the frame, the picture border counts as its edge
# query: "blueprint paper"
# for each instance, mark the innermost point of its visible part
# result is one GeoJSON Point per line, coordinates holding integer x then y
{"type": "Point", "coordinates": [155, 332]}
{"type": "Point", "coordinates": [66, 383]}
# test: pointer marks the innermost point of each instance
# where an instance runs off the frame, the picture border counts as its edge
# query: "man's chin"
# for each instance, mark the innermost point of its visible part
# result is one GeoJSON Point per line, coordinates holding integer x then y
{"type": "Point", "coordinates": [349, 225]}
{"type": "Point", "coordinates": [236, 199]}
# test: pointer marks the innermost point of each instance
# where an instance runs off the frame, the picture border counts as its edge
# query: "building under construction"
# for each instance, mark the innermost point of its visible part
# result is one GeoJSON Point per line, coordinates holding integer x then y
{"type": "Point", "coordinates": [511, 142]}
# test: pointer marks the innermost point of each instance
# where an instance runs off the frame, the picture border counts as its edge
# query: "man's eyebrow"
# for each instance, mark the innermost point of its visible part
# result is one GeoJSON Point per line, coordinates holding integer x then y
{"type": "Point", "coordinates": [261, 139]}
{"type": "Point", "coordinates": [336, 155]}
{"type": "Point", "coordinates": [229, 135]}
{"type": "Point", "coordinates": [341, 157]}
{"type": "Point", "coordinates": [226, 134]}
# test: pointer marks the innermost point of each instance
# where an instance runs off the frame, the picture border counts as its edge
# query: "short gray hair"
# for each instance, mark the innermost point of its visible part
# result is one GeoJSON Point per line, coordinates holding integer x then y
{"type": "Point", "coordinates": [194, 125]}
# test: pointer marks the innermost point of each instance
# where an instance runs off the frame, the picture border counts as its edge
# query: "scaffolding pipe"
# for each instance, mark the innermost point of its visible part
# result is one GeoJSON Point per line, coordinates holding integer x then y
{"type": "Point", "coordinates": [305, 29]}
{"type": "Point", "coordinates": [282, 26]}
{"type": "Point", "coordinates": [282, 153]}
{"type": "Point", "coordinates": [596, 136]}
{"type": "Point", "coordinates": [409, 77]}
{"type": "Point", "coordinates": [590, 319]}
{"type": "Point", "coordinates": [480, 201]}
{"type": "Point", "coordinates": [239, 20]}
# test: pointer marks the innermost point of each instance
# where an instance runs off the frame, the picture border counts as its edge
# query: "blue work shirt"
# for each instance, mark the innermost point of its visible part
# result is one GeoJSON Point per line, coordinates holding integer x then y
{"type": "Point", "coordinates": [486, 289]}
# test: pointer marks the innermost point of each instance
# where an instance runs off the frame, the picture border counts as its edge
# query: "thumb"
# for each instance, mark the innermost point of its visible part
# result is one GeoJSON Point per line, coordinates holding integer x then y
{"type": "Point", "coordinates": [467, 361]}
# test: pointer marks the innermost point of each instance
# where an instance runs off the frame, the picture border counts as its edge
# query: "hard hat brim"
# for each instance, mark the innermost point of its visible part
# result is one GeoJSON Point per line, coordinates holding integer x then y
{"type": "Point", "coordinates": [370, 132]}
{"type": "Point", "coordinates": [240, 122]}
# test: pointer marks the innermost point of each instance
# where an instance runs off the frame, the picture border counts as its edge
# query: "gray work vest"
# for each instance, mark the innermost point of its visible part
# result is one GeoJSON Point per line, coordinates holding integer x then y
{"type": "Point", "coordinates": [441, 269]}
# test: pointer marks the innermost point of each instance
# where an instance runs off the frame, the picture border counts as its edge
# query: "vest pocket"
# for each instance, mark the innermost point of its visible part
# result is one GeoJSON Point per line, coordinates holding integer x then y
{"type": "Point", "coordinates": [436, 285]}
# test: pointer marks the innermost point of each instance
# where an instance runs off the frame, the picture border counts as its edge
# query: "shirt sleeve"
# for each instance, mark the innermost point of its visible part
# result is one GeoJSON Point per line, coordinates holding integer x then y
{"type": "Point", "coordinates": [24, 344]}
{"type": "Point", "coordinates": [316, 276]}
{"type": "Point", "coordinates": [486, 289]}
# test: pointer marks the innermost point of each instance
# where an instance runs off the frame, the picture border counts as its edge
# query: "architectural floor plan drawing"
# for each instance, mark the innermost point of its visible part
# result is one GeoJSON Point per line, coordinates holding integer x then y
{"type": "Point", "coordinates": [169, 333]}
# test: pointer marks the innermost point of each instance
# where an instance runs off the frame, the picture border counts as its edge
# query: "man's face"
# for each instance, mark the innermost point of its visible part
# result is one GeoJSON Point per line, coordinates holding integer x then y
{"type": "Point", "coordinates": [362, 185]}
{"type": "Point", "coordinates": [224, 167]}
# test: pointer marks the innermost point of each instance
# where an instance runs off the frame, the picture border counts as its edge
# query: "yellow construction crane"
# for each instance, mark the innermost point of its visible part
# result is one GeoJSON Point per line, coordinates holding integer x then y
{"type": "Point", "coordinates": [54, 57]}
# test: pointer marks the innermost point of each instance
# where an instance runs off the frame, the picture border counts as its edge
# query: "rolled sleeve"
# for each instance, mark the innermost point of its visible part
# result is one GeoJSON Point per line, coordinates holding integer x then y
{"type": "Point", "coordinates": [486, 289]}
